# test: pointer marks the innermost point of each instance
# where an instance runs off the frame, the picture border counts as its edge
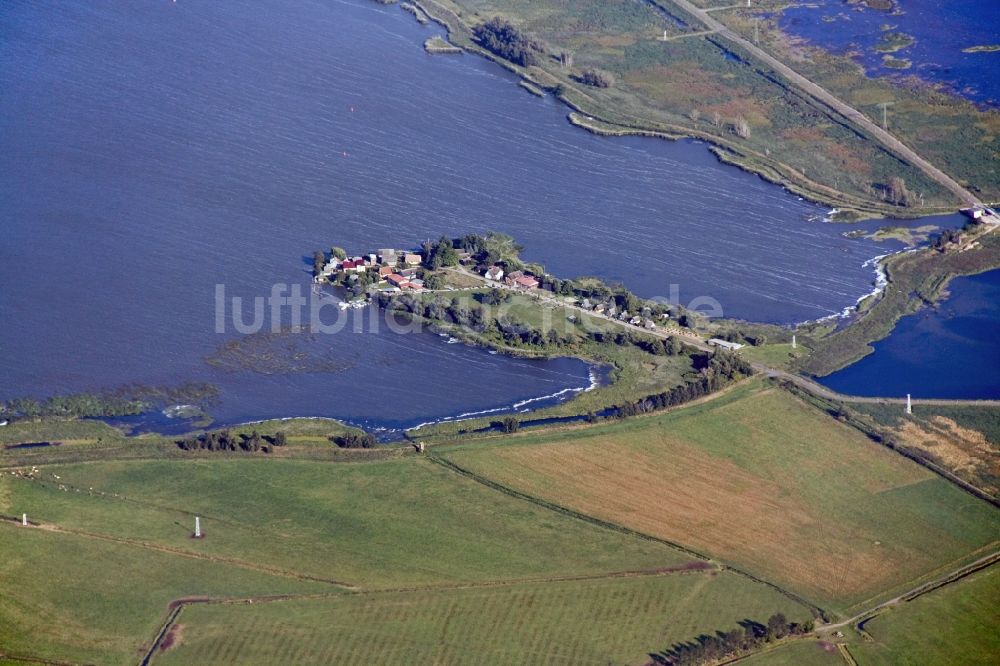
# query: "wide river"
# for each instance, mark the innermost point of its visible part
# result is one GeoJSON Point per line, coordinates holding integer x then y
{"type": "Point", "coordinates": [153, 150]}
{"type": "Point", "coordinates": [949, 351]}
{"type": "Point", "coordinates": [941, 48]}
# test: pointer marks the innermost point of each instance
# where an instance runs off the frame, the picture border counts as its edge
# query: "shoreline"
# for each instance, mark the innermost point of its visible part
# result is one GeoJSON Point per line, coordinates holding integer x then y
{"type": "Point", "coordinates": [727, 151]}
{"type": "Point", "coordinates": [914, 279]}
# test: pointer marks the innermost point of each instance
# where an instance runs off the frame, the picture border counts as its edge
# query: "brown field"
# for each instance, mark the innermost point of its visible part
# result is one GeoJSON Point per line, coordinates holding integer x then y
{"type": "Point", "coordinates": [964, 451]}
{"type": "Point", "coordinates": [761, 481]}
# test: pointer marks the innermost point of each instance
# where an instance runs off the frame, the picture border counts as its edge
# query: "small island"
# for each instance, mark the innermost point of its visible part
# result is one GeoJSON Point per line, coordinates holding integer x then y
{"type": "Point", "coordinates": [983, 48]}
{"type": "Point", "coordinates": [891, 42]}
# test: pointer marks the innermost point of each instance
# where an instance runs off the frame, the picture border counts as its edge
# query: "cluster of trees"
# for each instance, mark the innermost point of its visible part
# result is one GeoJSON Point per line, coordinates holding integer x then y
{"type": "Point", "coordinates": [354, 440]}
{"type": "Point", "coordinates": [516, 333]}
{"type": "Point", "coordinates": [598, 292]}
{"type": "Point", "coordinates": [669, 347]}
{"type": "Point", "coordinates": [439, 309]}
{"type": "Point", "coordinates": [896, 193]}
{"type": "Point", "coordinates": [493, 248]}
{"type": "Point", "coordinates": [739, 335]}
{"type": "Point", "coordinates": [358, 283]}
{"type": "Point", "coordinates": [509, 329]}
{"type": "Point", "coordinates": [502, 38]}
{"type": "Point", "coordinates": [441, 253]}
{"type": "Point", "coordinates": [596, 78]}
{"type": "Point", "coordinates": [718, 370]}
{"type": "Point", "coordinates": [726, 644]}
{"type": "Point", "coordinates": [948, 236]}
{"type": "Point", "coordinates": [224, 440]}
{"type": "Point", "coordinates": [508, 424]}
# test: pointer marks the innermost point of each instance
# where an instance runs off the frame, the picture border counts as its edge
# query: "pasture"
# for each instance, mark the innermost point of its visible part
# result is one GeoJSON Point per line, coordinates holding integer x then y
{"type": "Point", "coordinates": [760, 481]}
{"type": "Point", "coordinates": [954, 625]}
{"type": "Point", "coordinates": [799, 653]}
{"type": "Point", "coordinates": [88, 600]}
{"type": "Point", "coordinates": [382, 524]}
{"type": "Point", "coordinates": [617, 621]}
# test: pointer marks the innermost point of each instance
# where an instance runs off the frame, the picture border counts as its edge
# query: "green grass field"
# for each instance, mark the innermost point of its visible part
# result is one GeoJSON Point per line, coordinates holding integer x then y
{"type": "Point", "coordinates": [382, 524]}
{"type": "Point", "coordinates": [438, 566]}
{"type": "Point", "coordinates": [613, 621]}
{"type": "Point", "coordinates": [86, 600]}
{"type": "Point", "coordinates": [799, 653]}
{"type": "Point", "coordinates": [403, 559]}
{"type": "Point", "coordinates": [760, 480]}
{"type": "Point", "coordinates": [954, 625]}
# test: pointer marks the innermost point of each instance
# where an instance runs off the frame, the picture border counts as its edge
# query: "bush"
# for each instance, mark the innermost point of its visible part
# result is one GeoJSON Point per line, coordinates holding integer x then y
{"type": "Point", "coordinates": [508, 424]}
{"type": "Point", "coordinates": [596, 78]}
{"type": "Point", "coordinates": [355, 440]}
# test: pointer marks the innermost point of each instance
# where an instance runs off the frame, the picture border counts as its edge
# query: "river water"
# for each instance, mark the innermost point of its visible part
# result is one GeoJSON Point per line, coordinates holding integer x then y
{"type": "Point", "coordinates": [154, 150]}
{"type": "Point", "coordinates": [950, 351]}
{"type": "Point", "coordinates": [941, 32]}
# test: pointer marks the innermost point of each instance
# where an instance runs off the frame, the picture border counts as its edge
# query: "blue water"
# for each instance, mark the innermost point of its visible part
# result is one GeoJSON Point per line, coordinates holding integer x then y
{"type": "Point", "coordinates": [951, 351]}
{"type": "Point", "coordinates": [941, 29]}
{"type": "Point", "coordinates": [153, 150]}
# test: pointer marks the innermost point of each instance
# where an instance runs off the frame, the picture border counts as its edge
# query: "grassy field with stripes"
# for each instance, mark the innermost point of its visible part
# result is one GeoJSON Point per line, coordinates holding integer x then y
{"type": "Point", "coordinates": [587, 545]}
{"type": "Point", "coordinates": [616, 621]}
{"type": "Point", "coordinates": [764, 482]}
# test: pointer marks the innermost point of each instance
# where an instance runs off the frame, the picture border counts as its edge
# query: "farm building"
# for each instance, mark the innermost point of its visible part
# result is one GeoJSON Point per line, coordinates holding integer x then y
{"type": "Point", "coordinates": [725, 344]}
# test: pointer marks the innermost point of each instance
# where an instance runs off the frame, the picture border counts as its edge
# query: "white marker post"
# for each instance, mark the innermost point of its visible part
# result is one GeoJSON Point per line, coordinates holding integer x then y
{"type": "Point", "coordinates": [909, 404]}
{"type": "Point", "coordinates": [197, 527]}
{"type": "Point", "coordinates": [24, 520]}
{"type": "Point", "coordinates": [793, 342]}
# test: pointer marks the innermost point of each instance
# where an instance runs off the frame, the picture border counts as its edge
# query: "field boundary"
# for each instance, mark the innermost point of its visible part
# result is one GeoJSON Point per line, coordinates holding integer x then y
{"type": "Point", "coordinates": [817, 611]}
{"type": "Point", "coordinates": [27, 659]}
{"type": "Point", "coordinates": [826, 405]}
{"type": "Point", "coordinates": [190, 554]}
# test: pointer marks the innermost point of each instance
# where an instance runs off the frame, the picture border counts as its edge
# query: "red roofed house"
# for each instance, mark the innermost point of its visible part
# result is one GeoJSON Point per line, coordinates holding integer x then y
{"type": "Point", "coordinates": [526, 282]}
{"type": "Point", "coordinates": [397, 280]}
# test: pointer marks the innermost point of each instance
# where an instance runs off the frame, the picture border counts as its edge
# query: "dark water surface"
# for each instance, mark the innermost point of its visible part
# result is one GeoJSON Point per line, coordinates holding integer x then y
{"type": "Point", "coordinates": [152, 150]}
{"type": "Point", "coordinates": [941, 30]}
{"type": "Point", "coordinates": [951, 351]}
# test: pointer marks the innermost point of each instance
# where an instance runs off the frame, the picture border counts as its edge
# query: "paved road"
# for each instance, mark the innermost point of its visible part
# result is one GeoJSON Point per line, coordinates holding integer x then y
{"type": "Point", "coordinates": [692, 339]}
{"type": "Point", "coordinates": [821, 94]}
{"type": "Point", "coordinates": [823, 392]}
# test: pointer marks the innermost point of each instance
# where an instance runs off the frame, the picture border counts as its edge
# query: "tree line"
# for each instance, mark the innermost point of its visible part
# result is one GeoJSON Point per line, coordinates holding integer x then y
{"type": "Point", "coordinates": [727, 644]}
{"type": "Point", "coordinates": [718, 370]}
{"type": "Point", "coordinates": [510, 330]}
{"type": "Point", "coordinates": [354, 440]}
{"type": "Point", "coordinates": [225, 440]}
